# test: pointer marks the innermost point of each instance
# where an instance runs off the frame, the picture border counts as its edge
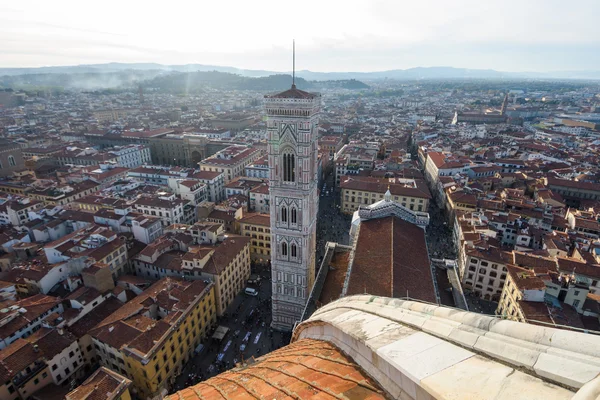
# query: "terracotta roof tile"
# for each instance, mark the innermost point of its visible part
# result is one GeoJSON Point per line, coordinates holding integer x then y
{"type": "Point", "coordinates": [306, 369]}
{"type": "Point", "coordinates": [391, 259]}
{"type": "Point", "coordinates": [103, 384]}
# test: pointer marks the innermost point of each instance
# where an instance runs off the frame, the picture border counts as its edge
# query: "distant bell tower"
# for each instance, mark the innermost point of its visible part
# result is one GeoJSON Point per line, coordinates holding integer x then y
{"type": "Point", "coordinates": [504, 105]}
{"type": "Point", "coordinates": [292, 129]}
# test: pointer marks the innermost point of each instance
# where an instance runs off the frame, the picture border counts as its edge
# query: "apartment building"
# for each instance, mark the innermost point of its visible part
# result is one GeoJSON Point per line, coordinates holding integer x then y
{"type": "Point", "coordinates": [195, 192]}
{"type": "Point", "coordinates": [151, 338]}
{"type": "Point", "coordinates": [61, 353]}
{"type": "Point", "coordinates": [157, 175]}
{"type": "Point", "coordinates": [167, 207]}
{"type": "Point", "coordinates": [257, 226]}
{"type": "Point", "coordinates": [93, 203]}
{"type": "Point", "coordinates": [64, 194]}
{"type": "Point", "coordinates": [215, 183]}
{"type": "Point", "coordinates": [359, 191]}
{"type": "Point", "coordinates": [84, 247]}
{"type": "Point", "coordinates": [484, 272]}
{"type": "Point", "coordinates": [105, 174]}
{"type": "Point", "coordinates": [260, 199]}
{"type": "Point", "coordinates": [224, 260]}
{"type": "Point", "coordinates": [440, 164]}
{"type": "Point", "coordinates": [16, 212]}
{"type": "Point", "coordinates": [146, 229]}
{"type": "Point", "coordinates": [23, 370]}
{"type": "Point", "coordinates": [85, 157]}
{"type": "Point", "coordinates": [352, 158]}
{"type": "Point", "coordinates": [242, 185]}
{"type": "Point", "coordinates": [207, 232]}
{"type": "Point", "coordinates": [258, 169]}
{"type": "Point", "coordinates": [544, 296]}
{"type": "Point", "coordinates": [227, 264]}
{"type": "Point", "coordinates": [26, 316]}
{"type": "Point", "coordinates": [231, 161]}
{"type": "Point", "coordinates": [331, 144]}
{"type": "Point", "coordinates": [131, 156]}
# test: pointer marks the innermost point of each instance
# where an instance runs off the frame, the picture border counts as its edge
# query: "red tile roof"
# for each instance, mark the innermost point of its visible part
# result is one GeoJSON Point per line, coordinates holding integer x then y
{"type": "Point", "coordinates": [391, 260]}
{"type": "Point", "coordinates": [103, 384]}
{"type": "Point", "coordinates": [292, 93]}
{"type": "Point", "coordinates": [306, 369]}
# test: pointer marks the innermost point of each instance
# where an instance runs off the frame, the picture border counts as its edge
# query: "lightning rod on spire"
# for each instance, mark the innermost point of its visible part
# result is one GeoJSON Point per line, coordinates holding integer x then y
{"type": "Point", "coordinates": [294, 63]}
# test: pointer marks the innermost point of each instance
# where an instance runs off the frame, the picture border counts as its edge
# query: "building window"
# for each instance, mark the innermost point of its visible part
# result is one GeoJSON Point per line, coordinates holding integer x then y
{"type": "Point", "coordinates": [284, 249]}
{"type": "Point", "coordinates": [294, 250]}
{"type": "Point", "coordinates": [284, 214]}
{"type": "Point", "coordinates": [11, 161]}
{"type": "Point", "coordinates": [294, 216]}
{"type": "Point", "coordinates": [289, 167]}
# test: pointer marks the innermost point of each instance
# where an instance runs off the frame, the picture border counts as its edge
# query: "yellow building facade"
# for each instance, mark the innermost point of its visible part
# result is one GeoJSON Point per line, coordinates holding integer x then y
{"type": "Point", "coordinates": [258, 228]}
{"type": "Point", "coordinates": [352, 199]}
{"type": "Point", "coordinates": [156, 333]}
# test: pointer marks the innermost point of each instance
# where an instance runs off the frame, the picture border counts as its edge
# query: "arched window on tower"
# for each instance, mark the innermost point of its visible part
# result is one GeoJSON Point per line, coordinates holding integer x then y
{"type": "Point", "coordinates": [284, 249]}
{"type": "Point", "coordinates": [289, 167]}
{"type": "Point", "coordinates": [294, 218]}
{"type": "Point", "coordinates": [284, 214]}
{"type": "Point", "coordinates": [11, 161]}
{"type": "Point", "coordinates": [294, 250]}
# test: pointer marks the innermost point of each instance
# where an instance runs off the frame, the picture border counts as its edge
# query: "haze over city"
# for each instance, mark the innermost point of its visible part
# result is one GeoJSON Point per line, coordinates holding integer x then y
{"type": "Point", "coordinates": [512, 35]}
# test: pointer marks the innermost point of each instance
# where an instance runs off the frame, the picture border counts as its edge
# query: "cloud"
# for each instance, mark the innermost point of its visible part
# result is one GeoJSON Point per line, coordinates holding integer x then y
{"type": "Point", "coordinates": [338, 35]}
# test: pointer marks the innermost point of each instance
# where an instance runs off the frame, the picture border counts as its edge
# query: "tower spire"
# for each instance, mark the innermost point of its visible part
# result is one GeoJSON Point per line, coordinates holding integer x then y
{"type": "Point", "coordinates": [294, 64]}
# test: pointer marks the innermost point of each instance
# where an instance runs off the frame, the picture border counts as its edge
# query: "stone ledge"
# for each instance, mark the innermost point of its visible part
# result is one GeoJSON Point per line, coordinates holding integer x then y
{"type": "Point", "coordinates": [559, 357]}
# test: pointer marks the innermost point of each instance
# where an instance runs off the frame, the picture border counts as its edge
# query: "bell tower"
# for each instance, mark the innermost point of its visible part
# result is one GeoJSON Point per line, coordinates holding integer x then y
{"type": "Point", "coordinates": [292, 130]}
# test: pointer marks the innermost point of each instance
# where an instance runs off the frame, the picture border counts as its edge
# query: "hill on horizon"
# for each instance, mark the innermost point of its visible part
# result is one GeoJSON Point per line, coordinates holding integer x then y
{"type": "Point", "coordinates": [168, 81]}
{"type": "Point", "coordinates": [436, 72]}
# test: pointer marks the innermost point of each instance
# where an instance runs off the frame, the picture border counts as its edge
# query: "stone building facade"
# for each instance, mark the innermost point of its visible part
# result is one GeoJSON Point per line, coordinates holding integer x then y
{"type": "Point", "coordinates": [11, 158]}
{"type": "Point", "coordinates": [292, 129]}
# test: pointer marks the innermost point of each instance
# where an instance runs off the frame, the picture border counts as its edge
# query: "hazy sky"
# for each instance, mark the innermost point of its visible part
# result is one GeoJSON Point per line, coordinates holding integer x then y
{"type": "Point", "coordinates": [331, 35]}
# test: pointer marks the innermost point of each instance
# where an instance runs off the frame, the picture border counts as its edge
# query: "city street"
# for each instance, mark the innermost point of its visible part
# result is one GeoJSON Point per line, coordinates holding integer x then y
{"type": "Point", "coordinates": [248, 319]}
{"type": "Point", "coordinates": [439, 235]}
{"type": "Point", "coordinates": [441, 245]}
{"type": "Point", "coordinates": [332, 225]}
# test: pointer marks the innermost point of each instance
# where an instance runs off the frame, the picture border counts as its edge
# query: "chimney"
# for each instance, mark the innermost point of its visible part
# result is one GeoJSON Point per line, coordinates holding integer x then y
{"type": "Point", "coordinates": [60, 331]}
{"type": "Point", "coordinates": [36, 348]}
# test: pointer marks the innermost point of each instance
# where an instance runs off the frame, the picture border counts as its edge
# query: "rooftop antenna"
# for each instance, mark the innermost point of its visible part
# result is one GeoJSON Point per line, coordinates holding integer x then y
{"type": "Point", "coordinates": [294, 64]}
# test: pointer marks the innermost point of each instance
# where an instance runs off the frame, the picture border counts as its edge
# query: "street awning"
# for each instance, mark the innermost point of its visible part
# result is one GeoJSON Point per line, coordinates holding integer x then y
{"type": "Point", "coordinates": [220, 332]}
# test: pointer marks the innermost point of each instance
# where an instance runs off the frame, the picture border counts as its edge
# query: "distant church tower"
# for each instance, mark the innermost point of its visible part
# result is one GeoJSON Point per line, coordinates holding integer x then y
{"type": "Point", "coordinates": [292, 129]}
{"type": "Point", "coordinates": [504, 105]}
